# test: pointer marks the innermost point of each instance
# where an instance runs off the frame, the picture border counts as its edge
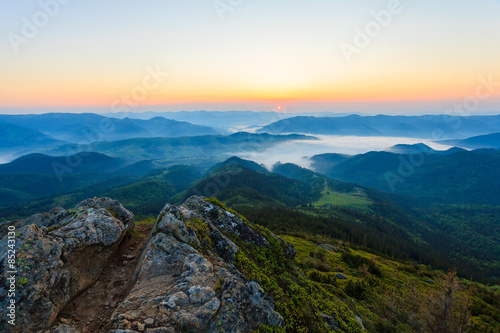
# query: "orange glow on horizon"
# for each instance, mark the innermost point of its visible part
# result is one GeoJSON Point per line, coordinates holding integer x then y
{"type": "Point", "coordinates": [106, 94]}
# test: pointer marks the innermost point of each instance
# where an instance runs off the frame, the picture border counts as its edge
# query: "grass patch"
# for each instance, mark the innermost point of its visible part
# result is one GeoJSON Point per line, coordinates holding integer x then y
{"type": "Point", "coordinates": [356, 200]}
{"type": "Point", "coordinates": [135, 233]}
{"type": "Point", "coordinates": [147, 221]}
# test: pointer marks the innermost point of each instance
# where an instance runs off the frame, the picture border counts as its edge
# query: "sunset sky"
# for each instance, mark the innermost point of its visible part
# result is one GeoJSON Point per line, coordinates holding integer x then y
{"type": "Point", "coordinates": [252, 55]}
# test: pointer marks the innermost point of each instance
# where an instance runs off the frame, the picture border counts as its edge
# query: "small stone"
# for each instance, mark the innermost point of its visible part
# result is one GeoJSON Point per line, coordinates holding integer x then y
{"type": "Point", "coordinates": [341, 276]}
{"type": "Point", "coordinates": [149, 322]}
{"type": "Point", "coordinates": [141, 327]}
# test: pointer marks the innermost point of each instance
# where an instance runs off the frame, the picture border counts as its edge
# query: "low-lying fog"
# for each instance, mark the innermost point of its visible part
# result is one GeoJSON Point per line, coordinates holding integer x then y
{"type": "Point", "coordinates": [6, 158]}
{"type": "Point", "coordinates": [298, 152]}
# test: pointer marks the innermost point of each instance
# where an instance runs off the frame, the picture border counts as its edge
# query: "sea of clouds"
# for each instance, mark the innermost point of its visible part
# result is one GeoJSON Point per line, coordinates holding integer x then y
{"type": "Point", "coordinates": [299, 151]}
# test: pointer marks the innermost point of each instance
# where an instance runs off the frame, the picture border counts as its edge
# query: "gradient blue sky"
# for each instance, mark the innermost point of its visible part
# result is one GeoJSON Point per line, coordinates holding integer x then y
{"type": "Point", "coordinates": [264, 54]}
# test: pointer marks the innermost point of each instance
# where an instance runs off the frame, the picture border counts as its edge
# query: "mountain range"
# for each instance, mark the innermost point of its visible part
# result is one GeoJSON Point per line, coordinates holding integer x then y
{"type": "Point", "coordinates": [482, 141]}
{"type": "Point", "coordinates": [234, 120]}
{"type": "Point", "coordinates": [89, 128]}
{"type": "Point", "coordinates": [436, 127]}
{"type": "Point", "coordinates": [15, 138]}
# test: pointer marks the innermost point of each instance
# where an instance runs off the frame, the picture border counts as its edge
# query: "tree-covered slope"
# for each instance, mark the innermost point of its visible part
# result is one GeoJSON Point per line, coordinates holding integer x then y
{"type": "Point", "coordinates": [462, 177]}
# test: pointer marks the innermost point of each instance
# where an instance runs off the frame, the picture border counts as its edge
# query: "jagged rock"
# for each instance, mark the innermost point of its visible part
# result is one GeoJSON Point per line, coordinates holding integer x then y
{"type": "Point", "coordinates": [329, 247]}
{"type": "Point", "coordinates": [170, 222]}
{"type": "Point", "coordinates": [60, 257]}
{"type": "Point", "coordinates": [225, 221]}
{"type": "Point", "coordinates": [341, 276]}
{"type": "Point", "coordinates": [222, 245]}
{"type": "Point", "coordinates": [178, 289]}
{"type": "Point", "coordinates": [47, 219]}
{"type": "Point", "coordinates": [288, 249]}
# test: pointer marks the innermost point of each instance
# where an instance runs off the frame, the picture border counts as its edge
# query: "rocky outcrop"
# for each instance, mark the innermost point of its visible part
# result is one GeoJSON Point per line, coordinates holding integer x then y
{"type": "Point", "coordinates": [186, 280]}
{"type": "Point", "coordinates": [58, 255]}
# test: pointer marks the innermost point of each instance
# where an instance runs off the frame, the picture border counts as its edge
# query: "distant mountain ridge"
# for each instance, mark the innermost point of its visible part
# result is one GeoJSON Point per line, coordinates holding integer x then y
{"type": "Point", "coordinates": [83, 162]}
{"type": "Point", "coordinates": [181, 150]}
{"type": "Point", "coordinates": [89, 128]}
{"type": "Point", "coordinates": [421, 148]}
{"type": "Point", "coordinates": [233, 120]}
{"type": "Point", "coordinates": [482, 141]}
{"type": "Point", "coordinates": [382, 125]}
{"type": "Point", "coordinates": [17, 138]}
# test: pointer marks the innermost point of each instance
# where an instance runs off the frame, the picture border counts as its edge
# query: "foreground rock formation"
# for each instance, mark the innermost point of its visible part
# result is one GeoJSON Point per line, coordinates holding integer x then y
{"type": "Point", "coordinates": [184, 281]}
{"type": "Point", "coordinates": [180, 289]}
{"type": "Point", "coordinates": [58, 255]}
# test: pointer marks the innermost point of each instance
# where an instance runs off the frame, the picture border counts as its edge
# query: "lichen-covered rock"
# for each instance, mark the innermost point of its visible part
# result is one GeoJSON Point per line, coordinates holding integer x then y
{"type": "Point", "coordinates": [182, 286]}
{"type": "Point", "coordinates": [58, 255]}
{"type": "Point", "coordinates": [288, 249]}
{"type": "Point", "coordinates": [170, 222]}
{"type": "Point", "coordinates": [47, 219]}
{"type": "Point", "coordinates": [222, 245]}
{"type": "Point", "coordinates": [225, 221]}
{"type": "Point", "coordinates": [329, 247]}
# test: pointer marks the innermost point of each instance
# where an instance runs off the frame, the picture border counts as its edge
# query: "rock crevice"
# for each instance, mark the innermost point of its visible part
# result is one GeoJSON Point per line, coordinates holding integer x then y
{"type": "Point", "coordinates": [185, 279]}
{"type": "Point", "coordinates": [59, 255]}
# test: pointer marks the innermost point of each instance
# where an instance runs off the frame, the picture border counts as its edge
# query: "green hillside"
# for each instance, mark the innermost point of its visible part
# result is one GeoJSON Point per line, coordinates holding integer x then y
{"type": "Point", "coordinates": [427, 177]}
{"type": "Point", "coordinates": [330, 285]}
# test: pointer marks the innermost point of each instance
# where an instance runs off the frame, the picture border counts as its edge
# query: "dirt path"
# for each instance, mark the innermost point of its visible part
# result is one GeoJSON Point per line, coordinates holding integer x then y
{"type": "Point", "coordinates": [90, 312]}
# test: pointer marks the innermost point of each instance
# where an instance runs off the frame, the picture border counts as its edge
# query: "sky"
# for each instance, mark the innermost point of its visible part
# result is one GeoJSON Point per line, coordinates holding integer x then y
{"type": "Point", "coordinates": [408, 56]}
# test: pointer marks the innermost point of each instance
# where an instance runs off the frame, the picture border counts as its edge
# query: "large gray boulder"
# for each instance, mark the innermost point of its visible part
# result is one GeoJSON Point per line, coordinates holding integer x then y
{"type": "Point", "coordinates": [58, 255]}
{"type": "Point", "coordinates": [186, 280]}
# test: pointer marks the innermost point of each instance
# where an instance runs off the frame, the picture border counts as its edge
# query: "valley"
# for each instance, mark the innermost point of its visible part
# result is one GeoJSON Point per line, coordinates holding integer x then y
{"type": "Point", "coordinates": [417, 209]}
